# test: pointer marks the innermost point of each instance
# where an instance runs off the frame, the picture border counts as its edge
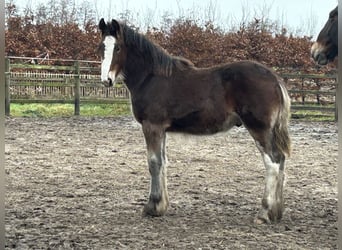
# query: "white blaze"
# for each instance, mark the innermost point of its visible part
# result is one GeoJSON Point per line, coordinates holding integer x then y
{"type": "Point", "coordinates": [109, 43]}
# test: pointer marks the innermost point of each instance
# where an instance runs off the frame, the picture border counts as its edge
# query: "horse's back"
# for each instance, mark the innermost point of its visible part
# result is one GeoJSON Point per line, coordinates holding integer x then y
{"type": "Point", "coordinates": [248, 80]}
{"type": "Point", "coordinates": [249, 72]}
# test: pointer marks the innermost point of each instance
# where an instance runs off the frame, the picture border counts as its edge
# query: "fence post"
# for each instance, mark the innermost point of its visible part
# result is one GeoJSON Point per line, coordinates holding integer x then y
{"type": "Point", "coordinates": [7, 87]}
{"type": "Point", "coordinates": [77, 88]}
{"type": "Point", "coordinates": [336, 98]}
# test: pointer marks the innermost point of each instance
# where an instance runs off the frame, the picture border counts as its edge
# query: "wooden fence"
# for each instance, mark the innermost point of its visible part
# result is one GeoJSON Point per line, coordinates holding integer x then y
{"type": "Point", "coordinates": [74, 84]}
{"type": "Point", "coordinates": [312, 92]}
{"type": "Point", "coordinates": [80, 83]}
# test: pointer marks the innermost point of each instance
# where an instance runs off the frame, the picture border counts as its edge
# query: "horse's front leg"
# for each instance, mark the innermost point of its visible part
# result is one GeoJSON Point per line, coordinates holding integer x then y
{"type": "Point", "coordinates": [156, 158]}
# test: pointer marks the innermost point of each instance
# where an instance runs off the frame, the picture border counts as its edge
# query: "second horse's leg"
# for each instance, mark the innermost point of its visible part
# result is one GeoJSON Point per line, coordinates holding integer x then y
{"type": "Point", "coordinates": [156, 158]}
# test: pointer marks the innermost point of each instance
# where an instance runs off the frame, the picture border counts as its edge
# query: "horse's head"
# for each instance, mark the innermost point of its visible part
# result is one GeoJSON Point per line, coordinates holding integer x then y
{"type": "Point", "coordinates": [112, 51]}
{"type": "Point", "coordinates": [325, 49]}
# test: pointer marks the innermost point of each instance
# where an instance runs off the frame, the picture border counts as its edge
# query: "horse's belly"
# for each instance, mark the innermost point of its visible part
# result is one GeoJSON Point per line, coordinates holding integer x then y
{"type": "Point", "coordinates": [199, 124]}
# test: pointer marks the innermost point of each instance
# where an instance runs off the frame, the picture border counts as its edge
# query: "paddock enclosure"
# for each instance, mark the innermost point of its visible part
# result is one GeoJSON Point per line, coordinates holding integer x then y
{"type": "Point", "coordinates": [81, 183]}
{"type": "Point", "coordinates": [80, 83]}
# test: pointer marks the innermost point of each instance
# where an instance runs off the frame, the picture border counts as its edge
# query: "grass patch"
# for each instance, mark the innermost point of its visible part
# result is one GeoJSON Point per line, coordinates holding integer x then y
{"type": "Point", "coordinates": [313, 112]}
{"type": "Point", "coordinates": [62, 110]}
{"type": "Point", "coordinates": [118, 109]}
{"type": "Point", "coordinates": [311, 115]}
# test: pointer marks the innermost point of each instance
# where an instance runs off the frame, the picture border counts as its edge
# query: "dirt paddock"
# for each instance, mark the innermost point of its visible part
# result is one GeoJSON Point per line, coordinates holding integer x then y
{"type": "Point", "coordinates": [80, 183]}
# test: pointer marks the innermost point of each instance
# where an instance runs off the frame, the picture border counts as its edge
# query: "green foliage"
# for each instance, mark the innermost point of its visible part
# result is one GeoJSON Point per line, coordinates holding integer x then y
{"type": "Point", "coordinates": [60, 110]}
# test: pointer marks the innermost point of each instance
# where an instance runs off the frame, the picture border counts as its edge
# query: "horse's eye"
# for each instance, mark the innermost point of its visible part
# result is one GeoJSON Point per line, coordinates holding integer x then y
{"type": "Point", "coordinates": [116, 48]}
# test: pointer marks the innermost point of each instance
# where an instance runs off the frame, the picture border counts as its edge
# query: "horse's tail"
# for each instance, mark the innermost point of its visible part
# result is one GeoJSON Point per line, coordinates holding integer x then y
{"type": "Point", "coordinates": [280, 130]}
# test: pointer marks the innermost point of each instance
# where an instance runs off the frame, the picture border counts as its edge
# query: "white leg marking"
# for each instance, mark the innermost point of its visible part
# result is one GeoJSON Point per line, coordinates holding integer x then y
{"type": "Point", "coordinates": [109, 43]}
{"type": "Point", "coordinates": [272, 173]}
{"type": "Point", "coordinates": [157, 174]}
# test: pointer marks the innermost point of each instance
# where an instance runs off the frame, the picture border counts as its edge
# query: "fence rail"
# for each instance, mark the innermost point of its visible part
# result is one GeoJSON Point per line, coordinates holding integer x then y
{"type": "Point", "coordinates": [80, 83]}
{"type": "Point", "coordinates": [314, 92]}
{"type": "Point", "coordinates": [73, 84]}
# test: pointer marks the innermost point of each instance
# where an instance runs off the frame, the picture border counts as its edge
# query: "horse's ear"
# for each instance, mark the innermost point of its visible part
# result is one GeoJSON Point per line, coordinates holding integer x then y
{"type": "Point", "coordinates": [116, 28]}
{"type": "Point", "coordinates": [334, 12]}
{"type": "Point", "coordinates": [102, 25]}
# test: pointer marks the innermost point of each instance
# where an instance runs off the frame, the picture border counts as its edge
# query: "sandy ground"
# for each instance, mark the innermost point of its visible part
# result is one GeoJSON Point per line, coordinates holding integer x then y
{"type": "Point", "coordinates": [80, 183]}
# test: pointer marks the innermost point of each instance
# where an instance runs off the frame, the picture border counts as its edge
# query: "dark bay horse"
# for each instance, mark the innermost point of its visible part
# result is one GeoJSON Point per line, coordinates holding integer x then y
{"type": "Point", "coordinates": [170, 94]}
{"type": "Point", "coordinates": [325, 49]}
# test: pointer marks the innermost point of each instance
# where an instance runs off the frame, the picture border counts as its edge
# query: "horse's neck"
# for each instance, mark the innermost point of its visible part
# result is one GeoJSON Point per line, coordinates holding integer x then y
{"type": "Point", "coordinates": [135, 72]}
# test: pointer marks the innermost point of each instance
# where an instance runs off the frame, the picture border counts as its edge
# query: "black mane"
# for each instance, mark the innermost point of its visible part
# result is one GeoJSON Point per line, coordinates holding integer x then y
{"type": "Point", "coordinates": [162, 62]}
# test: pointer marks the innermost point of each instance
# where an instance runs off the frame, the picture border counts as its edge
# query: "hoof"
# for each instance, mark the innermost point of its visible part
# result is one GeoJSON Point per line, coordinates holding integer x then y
{"type": "Point", "coordinates": [155, 209]}
{"type": "Point", "coordinates": [261, 220]}
{"type": "Point", "coordinates": [267, 216]}
{"type": "Point", "coordinates": [276, 213]}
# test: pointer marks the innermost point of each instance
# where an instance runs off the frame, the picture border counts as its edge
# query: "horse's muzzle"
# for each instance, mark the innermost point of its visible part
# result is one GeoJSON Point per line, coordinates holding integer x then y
{"type": "Point", "coordinates": [320, 59]}
{"type": "Point", "coordinates": [322, 55]}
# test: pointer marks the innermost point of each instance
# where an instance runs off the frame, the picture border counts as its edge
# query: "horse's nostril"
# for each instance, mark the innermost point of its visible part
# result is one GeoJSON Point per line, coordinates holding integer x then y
{"type": "Point", "coordinates": [315, 56]}
{"type": "Point", "coordinates": [110, 82]}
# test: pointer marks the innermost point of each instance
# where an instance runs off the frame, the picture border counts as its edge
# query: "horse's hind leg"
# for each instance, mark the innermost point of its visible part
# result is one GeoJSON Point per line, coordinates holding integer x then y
{"type": "Point", "coordinates": [156, 158]}
{"type": "Point", "coordinates": [272, 201]}
{"type": "Point", "coordinates": [274, 161]}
